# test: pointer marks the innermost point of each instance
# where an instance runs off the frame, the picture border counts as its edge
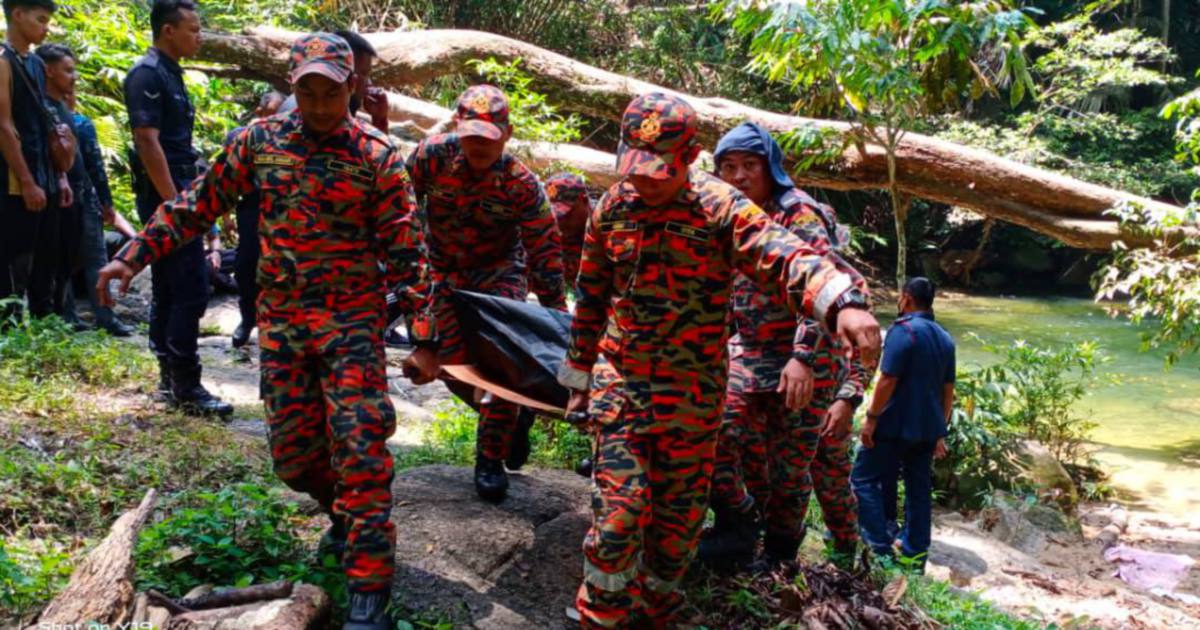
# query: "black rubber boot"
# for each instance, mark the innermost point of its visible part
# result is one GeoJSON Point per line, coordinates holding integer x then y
{"type": "Point", "coordinates": [584, 467]}
{"type": "Point", "coordinates": [368, 611]}
{"type": "Point", "coordinates": [241, 334]}
{"type": "Point", "coordinates": [777, 550]}
{"type": "Point", "coordinates": [491, 481]}
{"type": "Point", "coordinates": [730, 543]}
{"type": "Point", "coordinates": [162, 393]}
{"type": "Point", "coordinates": [333, 541]}
{"type": "Point", "coordinates": [192, 398]}
{"type": "Point", "coordinates": [518, 453]}
{"type": "Point", "coordinates": [116, 328]}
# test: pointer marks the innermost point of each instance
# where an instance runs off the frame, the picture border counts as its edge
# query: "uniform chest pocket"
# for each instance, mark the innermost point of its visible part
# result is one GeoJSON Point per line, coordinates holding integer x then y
{"type": "Point", "coordinates": [622, 248]}
{"type": "Point", "coordinates": [687, 246]}
{"type": "Point", "coordinates": [276, 174]}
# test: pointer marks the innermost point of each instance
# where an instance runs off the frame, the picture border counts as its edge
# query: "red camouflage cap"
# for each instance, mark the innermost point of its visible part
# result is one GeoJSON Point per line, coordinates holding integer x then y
{"type": "Point", "coordinates": [564, 189]}
{"type": "Point", "coordinates": [482, 110]}
{"type": "Point", "coordinates": [325, 54]}
{"type": "Point", "coordinates": [656, 132]}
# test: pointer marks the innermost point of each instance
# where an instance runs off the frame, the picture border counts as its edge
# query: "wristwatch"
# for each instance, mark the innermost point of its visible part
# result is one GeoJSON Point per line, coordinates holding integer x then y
{"type": "Point", "coordinates": [807, 357]}
{"type": "Point", "coordinates": [850, 298]}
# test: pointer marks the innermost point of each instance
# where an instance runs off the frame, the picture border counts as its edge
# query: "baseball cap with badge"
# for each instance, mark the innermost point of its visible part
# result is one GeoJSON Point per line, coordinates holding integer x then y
{"type": "Point", "coordinates": [482, 111]}
{"type": "Point", "coordinates": [325, 54]}
{"type": "Point", "coordinates": [657, 131]}
{"type": "Point", "coordinates": [564, 189]}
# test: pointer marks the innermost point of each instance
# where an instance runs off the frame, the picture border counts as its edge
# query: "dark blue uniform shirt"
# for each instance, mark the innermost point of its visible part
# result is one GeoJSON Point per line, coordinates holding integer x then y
{"type": "Point", "coordinates": [920, 354]}
{"type": "Point", "coordinates": [157, 97]}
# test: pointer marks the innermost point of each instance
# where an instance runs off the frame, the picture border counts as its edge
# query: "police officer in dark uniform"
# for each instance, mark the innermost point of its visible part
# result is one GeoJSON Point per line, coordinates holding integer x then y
{"type": "Point", "coordinates": [162, 118]}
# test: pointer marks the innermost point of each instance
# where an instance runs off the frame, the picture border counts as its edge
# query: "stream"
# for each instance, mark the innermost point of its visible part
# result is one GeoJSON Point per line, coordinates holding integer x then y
{"type": "Point", "coordinates": [1148, 433]}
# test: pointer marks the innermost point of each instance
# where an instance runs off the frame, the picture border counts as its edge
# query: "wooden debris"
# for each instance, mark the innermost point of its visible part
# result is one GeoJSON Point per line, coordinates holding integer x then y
{"type": "Point", "coordinates": [101, 588]}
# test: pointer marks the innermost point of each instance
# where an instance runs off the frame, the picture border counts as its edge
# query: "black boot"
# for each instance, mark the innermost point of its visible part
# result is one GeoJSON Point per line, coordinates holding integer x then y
{"type": "Point", "coordinates": [368, 611]}
{"type": "Point", "coordinates": [777, 550]}
{"type": "Point", "coordinates": [491, 482]}
{"type": "Point", "coordinates": [333, 541]}
{"type": "Point", "coordinates": [162, 393]}
{"type": "Point", "coordinates": [518, 453]}
{"type": "Point", "coordinates": [584, 467]}
{"type": "Point", "coordinates": [116, 328]}
{"type": "Point", "coordinates": [241, 334]}
{"type": "Point", "coordinates": [730, 543]}
{"type": "Point", "coordinates": [191, 397]}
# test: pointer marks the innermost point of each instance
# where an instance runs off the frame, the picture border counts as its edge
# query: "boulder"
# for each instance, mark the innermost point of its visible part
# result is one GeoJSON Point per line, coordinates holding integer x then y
{"type": "Point", "coordinates": [513, 565]}
{"type": "Point", "coordinates": [1026, 526]}
{"type": "Point", "coordinates": [1046, 474]}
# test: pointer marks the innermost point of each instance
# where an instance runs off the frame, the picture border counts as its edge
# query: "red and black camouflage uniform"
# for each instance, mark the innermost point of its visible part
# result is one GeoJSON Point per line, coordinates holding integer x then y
{"type": "Point", "coordinates": [768, 455]}
{"type": "Point", "coordinates": [565, 190]}
{"type": "Point", "coordinates": [653, 291]}
{"type": "Point", "coordinates": [486, 232]}
{"type": "Point", "coordinates": [332, 210]}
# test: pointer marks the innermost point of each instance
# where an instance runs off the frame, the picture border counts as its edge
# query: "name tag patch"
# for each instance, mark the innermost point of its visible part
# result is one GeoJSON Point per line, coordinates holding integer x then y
{"type": "Point", "coordinates": [619, 226]}
{"type": "Point", "coordinates": [687, 231]}
{"type": "Point", "coordinates": [275, 159]}
{"type": "Point", "coordinates": [346, 168]}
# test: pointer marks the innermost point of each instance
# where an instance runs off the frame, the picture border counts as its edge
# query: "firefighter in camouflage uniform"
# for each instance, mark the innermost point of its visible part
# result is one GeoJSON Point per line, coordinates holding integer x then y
{"type": "Point", "coordinates": [338, 224]}
{"type": "Point", "coordinates": [569, 201]}
{"type": "Point", "coordinates": [490, 228]}
{"type": "Point", "coordinates": [659, 256]}
{"type": "Point", "coordinates": [791, 394]}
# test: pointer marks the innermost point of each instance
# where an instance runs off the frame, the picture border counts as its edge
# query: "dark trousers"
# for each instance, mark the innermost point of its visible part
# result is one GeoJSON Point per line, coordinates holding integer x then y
{"type": "Point", "coordinates": [94, 255]}
{"type": "Point", "coordinates": [179, 284]}
{"type": "Point", "coordinates": [18, 239]}
{"type": "Point", "coordinates": [245, 266]}
{"type": "Point", "coordinates": [874, 469]}
{"type": "Point", "coordinates": [55, 259]}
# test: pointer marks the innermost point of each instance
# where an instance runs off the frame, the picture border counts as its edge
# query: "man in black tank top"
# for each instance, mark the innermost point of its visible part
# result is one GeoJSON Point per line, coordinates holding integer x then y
{"type": "Point", "coordinates": [28, 183]}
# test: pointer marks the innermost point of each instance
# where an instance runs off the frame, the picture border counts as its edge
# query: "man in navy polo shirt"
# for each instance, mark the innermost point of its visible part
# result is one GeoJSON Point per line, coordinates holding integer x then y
{"type": "Point", "coordinates": [906, 424]}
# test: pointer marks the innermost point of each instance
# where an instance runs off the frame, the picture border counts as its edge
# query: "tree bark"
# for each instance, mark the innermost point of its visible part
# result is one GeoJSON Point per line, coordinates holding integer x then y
{"type": "Point", "coordinates": [101, 589]}
{"type": "Point", "coordinates": [1059, 206]}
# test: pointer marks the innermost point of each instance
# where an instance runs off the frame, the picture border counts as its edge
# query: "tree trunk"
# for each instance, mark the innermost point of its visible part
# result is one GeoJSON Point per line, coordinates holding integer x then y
{"type": "Point", "coordinates": [1059, 206]}
{"type": "Point", "coordinates": [101, 588]}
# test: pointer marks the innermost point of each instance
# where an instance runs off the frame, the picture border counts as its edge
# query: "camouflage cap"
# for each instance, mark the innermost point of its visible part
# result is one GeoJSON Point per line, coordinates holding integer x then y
{"type": "Point", "coordinates": [325, 54]}
{"type": "Point", "coordinates": [482, 110]}
{"type": "Point", "coordinates": [657, 130]}
{"type": "Point", "coordinates": [564, 190]}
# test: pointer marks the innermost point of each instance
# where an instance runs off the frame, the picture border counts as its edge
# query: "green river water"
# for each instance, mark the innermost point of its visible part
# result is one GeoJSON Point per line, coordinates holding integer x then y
{"type": "Point", "coordinates": [1149, 421]}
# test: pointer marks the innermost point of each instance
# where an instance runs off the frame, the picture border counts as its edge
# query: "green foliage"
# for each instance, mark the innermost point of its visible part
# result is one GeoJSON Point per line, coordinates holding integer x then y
{"type": "Point", "coordinates": [531, 116]}
{"type": "Point", "coordinates": [1089, 70]}
{"type": "Point", "coordinates": [239, 535]}
{"type": "Point", "coordinates": [41, 360]}
{"type": "Point", "coordinates": [953, 608]}
{"type": "Point", "coordinates": [1163, 282]}
{"type": "Point", "coordinates": [30, 573]}
{"type": "Point", "coordinates": [450, 439]}
{"type": "Point", "coordinates": [1029, 394]}
{"type": "Point", "coordinates": [887, 65]}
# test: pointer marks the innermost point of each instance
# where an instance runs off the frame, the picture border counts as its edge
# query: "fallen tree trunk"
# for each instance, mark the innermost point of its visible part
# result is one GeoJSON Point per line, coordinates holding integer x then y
{"type": "Point", "coordinates": [1065, 208]}
{"type": "Point", "coordinates": [101, 589]}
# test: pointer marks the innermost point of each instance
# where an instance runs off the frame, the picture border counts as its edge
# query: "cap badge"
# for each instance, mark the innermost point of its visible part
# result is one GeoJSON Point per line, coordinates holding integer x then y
{"type": "Point", "coordinates": [650, 128]}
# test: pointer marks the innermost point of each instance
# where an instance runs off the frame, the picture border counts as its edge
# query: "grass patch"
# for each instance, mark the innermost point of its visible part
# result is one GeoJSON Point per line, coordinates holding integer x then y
{"type": "Point", "coordinates": [450, 439]}
{"type": "Point", "coordinates": [953, 608]}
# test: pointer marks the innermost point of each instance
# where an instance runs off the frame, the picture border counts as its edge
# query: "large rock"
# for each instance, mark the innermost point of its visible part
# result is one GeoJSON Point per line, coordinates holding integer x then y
{"type": "Point", "coordinates": [513, 565]}
{"type": "Point", "coordinates": [1046, 474]}
{"type": "Point", "coordinates": [1025, 526]}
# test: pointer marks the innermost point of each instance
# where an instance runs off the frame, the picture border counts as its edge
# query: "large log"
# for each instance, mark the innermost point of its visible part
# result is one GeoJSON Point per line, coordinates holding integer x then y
{"type": "Point", "coordinates": [1060, 206]}
{"type": "Point", "coordinates": [101, 589]}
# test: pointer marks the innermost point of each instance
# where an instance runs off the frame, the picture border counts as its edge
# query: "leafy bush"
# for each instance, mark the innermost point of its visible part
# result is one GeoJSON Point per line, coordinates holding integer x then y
{"type": "Point", "coordinates": [45, 348]}
{"type": "Point", "coordinates": [239, 535]}
{"type": "Point", "coordinates": [29, 575]}
{"type": "Point", "coordinates": [1030, 394]}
